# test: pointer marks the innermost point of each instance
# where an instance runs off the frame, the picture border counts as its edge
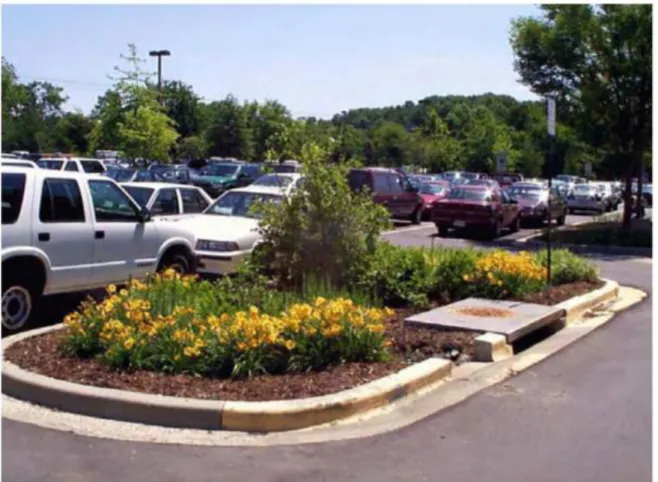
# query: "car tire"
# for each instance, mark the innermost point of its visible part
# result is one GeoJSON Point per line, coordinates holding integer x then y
{"type": "Point", "coordinates": [416, 216]}
{"type": "Point", "coordinates": [176, 261]}
{"type": "Point", "coordinates": [494, 232]}
{"type": "Point", "coordinates": [516, 225]}
{"type": "Point", "coordinates": [562, 219]}
{"type": "Point", "coordinates": [20, 302]}
{"type": "Point", "coordinates": [442, 230]}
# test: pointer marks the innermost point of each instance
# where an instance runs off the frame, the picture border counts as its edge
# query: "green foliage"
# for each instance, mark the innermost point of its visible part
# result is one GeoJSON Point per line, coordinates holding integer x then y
{"type": "Point", "coordinates": [325, 230]}
{"type": "Point", "coordinates": [567, 267]}
{"type": "Point", "coordinates": [597, 60]}
{"type": "Point", "coordinates": [189, 148]}
{"type": "Point", "coordinates": [181, 325]}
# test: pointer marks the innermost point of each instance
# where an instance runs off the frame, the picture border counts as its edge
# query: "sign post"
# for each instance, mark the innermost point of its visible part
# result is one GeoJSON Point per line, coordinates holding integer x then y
{"type": "Point", "coordinates": [551, 140]}
{"type": "Point", "coordinates": [501, 162]}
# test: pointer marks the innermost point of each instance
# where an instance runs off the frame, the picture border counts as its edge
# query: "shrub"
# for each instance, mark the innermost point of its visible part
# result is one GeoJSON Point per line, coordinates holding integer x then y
{"type": "Point", "coordinates": [180, 325]}
{"type": "Point", "coordinates": [324, 230]}
{"type": "Point", "coordinates": [501, 274]}
{"type": "Point", "coordinates": [567, 267]}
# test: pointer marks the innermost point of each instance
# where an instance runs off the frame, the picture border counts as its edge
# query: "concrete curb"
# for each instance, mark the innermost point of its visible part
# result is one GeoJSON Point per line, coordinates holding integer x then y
{"type": "Point", "coordinates": [492, 347]}
{"type": "Point", "coordinates": [179, 412]}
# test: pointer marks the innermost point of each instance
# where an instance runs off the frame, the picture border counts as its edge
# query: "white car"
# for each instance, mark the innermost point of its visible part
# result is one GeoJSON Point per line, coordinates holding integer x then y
{"type": "Point", "coordinates": [66, 232]}
{"type": "Point", "coordinates": [168, 199]}
{"type": "Point", "coordinates": [287, 181]}
{"type": "Point", "coordinates": [228, 231]}
{"type": "Point", "coordinates": [17, 162]}
{"type": "Point", "coordinates": [586, 197]}
{"type": "Point", "coordinates": [73, 164]}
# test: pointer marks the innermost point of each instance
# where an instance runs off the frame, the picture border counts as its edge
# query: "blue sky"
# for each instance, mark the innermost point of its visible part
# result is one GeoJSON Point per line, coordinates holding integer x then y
{"type": "Point", "coordinates": [316, 59]}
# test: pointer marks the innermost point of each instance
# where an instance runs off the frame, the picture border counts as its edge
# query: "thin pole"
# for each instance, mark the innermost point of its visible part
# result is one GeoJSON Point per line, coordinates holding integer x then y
{"type": "Point", "coordinates": [160, 74]}
{"type": "Point", "coordinates": [550, 193]}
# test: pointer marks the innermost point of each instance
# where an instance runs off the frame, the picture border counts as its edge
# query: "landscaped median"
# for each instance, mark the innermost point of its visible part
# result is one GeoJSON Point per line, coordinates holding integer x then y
{"type": "Point", "coordinates": [244, 354]}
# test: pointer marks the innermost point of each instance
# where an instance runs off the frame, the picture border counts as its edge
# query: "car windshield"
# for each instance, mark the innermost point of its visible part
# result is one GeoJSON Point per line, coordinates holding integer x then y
{"type": "Point", "coordinates": [220, 170]}
{"type": "Point", "coordinates": [469, 194]}
{"type": "Point", "coordinates": [92, 167]}
{"type": "Point", "coordinates": [120, 175]}
{"type": "Point", "coordinates": [427, 188]}
{"type": "Point", "coordinates": [174, 174]}
{"type": "Point", "coordinates": [146, 176]}
{"type": "Point", "coordinates": [584, 189]}
{"type": "Point", "coordinates": [274, 180]}
{"type": "Point", "coordinates": [469, 175]}
{"type": "Point", "coordinates": [239, 203]}
{"type": "Point", "coordinates": [526, 191]}
{"type": "Point", "coordinates": [140, 194]}
{"type": "Point", "coordinates": [449, 175]}
{"type": "Point", "coordinates": [50, 164]}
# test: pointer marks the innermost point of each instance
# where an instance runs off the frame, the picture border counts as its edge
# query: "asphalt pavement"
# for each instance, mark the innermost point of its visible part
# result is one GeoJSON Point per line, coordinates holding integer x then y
{"type": "Point", "coordinates": [582, 415]}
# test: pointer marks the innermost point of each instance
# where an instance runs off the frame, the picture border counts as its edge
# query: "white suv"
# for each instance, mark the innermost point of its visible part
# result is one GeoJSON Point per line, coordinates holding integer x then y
{"type": "Point", "coordinates": [66, 232]}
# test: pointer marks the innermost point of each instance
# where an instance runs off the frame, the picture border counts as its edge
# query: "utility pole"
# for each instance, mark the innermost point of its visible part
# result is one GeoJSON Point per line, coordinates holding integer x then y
{"type": "Point", "coordinates": [551, 164]}
{"type": "Point", "coordinates": [159, 54]}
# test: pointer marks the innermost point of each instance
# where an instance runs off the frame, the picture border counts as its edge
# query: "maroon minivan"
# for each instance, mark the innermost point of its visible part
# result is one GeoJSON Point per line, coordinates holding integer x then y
{"type": "Point", "coordinates": [391, 189]}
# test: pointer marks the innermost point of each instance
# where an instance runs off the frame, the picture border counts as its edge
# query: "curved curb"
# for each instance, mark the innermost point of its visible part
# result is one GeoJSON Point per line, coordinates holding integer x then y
{"type": "Point", "coordinates": [274, 416]}
{"type": "Point", "coordinates": [180, 412]}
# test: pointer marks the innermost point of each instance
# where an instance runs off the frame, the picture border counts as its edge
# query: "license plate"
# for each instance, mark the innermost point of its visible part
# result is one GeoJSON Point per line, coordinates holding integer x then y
{"type": "Point", "coordinates": [459, 224]}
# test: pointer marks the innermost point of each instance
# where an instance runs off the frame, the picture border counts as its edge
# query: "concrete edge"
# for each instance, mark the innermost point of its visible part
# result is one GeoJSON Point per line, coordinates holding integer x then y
{"type": "Point", "coordinates": [191, 413]}
{"type": "Point", "coordinates": [491, 347]}
{"type": "Point", "coordinates": [466, 380]}
{"type": "Point", "coordinates": [575, 307]}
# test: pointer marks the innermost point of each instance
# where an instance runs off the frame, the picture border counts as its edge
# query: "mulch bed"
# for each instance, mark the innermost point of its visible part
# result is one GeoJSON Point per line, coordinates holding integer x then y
{"type": "Point", "coordinates": [409, 345]}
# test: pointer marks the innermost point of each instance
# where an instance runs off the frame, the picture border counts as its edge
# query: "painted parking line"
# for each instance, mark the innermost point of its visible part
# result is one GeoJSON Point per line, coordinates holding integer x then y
{"type": "Point", "coordinates": [407, 229]}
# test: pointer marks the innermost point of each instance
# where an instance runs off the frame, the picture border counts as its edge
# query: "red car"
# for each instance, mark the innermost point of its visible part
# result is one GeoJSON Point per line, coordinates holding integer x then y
{"type": "Point", "coordinates": [391, 189]}
{"type": "Point", "coordinates": [431, 192]}
{"type": "Point", "coordinates": [476, 208]}
{"type": "Point", "coordinates": [506, 179]}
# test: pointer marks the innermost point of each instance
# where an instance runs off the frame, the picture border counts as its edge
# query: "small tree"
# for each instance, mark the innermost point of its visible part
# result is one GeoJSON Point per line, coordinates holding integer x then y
{"type": "Point", "coordinates": [323, 231]}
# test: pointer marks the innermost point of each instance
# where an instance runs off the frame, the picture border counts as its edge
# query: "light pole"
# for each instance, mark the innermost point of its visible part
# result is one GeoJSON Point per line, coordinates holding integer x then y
{"type": "Point", "coordinates": [550, 113]}
{"type": "Point", "coordinates": [159, 54]}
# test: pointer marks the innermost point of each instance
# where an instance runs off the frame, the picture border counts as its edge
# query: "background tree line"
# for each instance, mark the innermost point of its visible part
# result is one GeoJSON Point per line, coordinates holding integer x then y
{"type": "Point", "coordinates": [596, 60]}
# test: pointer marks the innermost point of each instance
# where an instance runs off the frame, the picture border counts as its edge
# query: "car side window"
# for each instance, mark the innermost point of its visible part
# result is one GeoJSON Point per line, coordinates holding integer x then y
{"type": "Point", "coordinates": [71, 166]}
{"type": "Point", "coordinates": [61, 202]}
{"type": "Point", "coordinates": [13, 192]}
{"type": "Point", "coordinates": [380, 183]}
{"type": "Point", "coordinates": [111, 204]}
{"type": "Point", "coordinates": [503, 197]}
{"type": "Point", "coordinates": [166, 202]}
{"type": "Point", "coordinates": [395, 184]}
{"type": "Point", "coordinates": [193, 201]}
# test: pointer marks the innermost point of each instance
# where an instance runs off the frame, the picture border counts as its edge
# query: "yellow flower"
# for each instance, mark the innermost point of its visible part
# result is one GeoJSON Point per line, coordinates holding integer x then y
{"type": "Point", "coordinates": [290, 345]}
{"type": "Point", "coordinates": [466, 277]}
{"type": "Point", "coordinates": [123, 293]}
{"type": "Point", "coordinates": [111, 289]}
{"type": "Point", "coordinates": [129, 343]}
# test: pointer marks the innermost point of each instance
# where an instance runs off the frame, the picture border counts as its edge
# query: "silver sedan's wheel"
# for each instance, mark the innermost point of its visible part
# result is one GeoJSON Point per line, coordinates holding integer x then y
{"type": "Point", "coordinates": [16, 307]}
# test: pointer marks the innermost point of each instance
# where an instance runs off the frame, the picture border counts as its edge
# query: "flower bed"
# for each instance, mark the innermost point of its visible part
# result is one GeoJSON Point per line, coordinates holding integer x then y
{"type": "Point", "coordinates": [240, 339]}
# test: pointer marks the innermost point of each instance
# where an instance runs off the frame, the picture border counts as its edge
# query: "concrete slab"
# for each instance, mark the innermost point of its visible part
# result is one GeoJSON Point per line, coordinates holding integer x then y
{"type": "Point", "coordinates": [512, 319]}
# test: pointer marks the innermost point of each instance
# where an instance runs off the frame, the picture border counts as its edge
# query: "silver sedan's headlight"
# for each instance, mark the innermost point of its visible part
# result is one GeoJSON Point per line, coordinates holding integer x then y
{"type": "Point", "coordinates": [222, 246]}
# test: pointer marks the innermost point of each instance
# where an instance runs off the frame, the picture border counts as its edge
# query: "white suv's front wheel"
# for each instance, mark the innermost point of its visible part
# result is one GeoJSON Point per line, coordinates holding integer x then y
{"type": "Point", "coordinates": [17, 307]}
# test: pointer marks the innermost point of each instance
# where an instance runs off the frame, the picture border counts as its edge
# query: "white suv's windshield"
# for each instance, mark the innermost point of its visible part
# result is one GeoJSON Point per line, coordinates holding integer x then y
{"type": "Point", "coordinates": [55, 165]}
{"type": "Point", "coordinates": [239, 203]}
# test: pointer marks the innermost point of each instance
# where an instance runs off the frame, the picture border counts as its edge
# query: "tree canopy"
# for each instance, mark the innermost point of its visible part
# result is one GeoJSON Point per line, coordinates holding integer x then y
{"type": "Point", "coordinates": [591, 57]}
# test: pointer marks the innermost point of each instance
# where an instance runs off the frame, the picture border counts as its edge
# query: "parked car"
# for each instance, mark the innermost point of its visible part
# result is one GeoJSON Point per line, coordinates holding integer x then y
{"type": "Point", "coordinates": [610, 199]}
{"type": "Point", "coordinates": [490, 183]}
{"type": "Point", "coordinates": [506, 179]}
{"type": "Point", "coordinates": [431, 192]}
{"type": "Point", "coordinates": [166, 199]}
{"type": "Point", "coordinates": [571, 179]}
{"type": "Point", "coordinates": [213, 186]}
{"type": "Point", "coordinates": [288, 166]}
{"type": "Point", "coordinates": [647, 193]}
{"type": "Point", "coordinates": [134, 175]}
{"type": "Point", "coordinates": [478, 209]}
{"type": "Point", "coordinates": [72, 164]}
{"type": "Point", "coordinates": [227, 231]}
{"type": "Point", "coordinates": [232, 174]}
{"type": "Point", "coordinates": [18, 162]}
{"type": "Point", "coordinates": [286, 181]}
{"type": "Point", "coordinates": [585, 197]}
{"type": "Point", "coordinates": [66, 232]}
{"type": "Point", "coordinates": [462, 176]}
{"type": "Point", "coordinates": [533, 201]}
{"type": "Point", "coordinates": [390, 189]}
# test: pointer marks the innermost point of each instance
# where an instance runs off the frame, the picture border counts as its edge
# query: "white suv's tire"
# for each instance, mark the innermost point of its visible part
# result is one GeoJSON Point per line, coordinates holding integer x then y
{"type": "Point", "coordinates": [19, 305]}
